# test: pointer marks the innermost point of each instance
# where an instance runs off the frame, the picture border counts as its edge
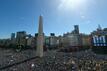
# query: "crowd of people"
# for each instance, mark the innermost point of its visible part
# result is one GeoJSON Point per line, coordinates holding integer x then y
{"type": "Point", "coordinates": [9, 56]}
{"type": "Point", "coordinates": [56, 61]}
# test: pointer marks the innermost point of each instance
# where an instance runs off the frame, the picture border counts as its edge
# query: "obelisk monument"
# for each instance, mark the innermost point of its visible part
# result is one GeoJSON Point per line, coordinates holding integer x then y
{"type": "Point", "coordinates": [40, 38]}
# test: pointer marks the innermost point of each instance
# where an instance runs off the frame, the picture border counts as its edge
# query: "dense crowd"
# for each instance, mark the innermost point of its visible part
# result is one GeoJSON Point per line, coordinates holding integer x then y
{"type": "Point", "coordinates": [8, 56]}
{"type": "Point", "coordinates": [56, 61]}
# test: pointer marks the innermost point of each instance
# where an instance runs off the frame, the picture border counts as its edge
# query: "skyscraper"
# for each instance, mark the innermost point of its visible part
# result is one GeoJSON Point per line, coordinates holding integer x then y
{"type": "Point", "coordinates": [21, 38]}
{"type": "Point", "coordinates": [76, 28]}
{"type": "Point", "coordinates": [12, 36]}
{"type": "Point", "coordinates": [39, 51]}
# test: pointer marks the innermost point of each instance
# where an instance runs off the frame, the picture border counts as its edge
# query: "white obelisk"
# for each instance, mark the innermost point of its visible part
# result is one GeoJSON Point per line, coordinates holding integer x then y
{"type": "Point", "coordinates": [39, 51]}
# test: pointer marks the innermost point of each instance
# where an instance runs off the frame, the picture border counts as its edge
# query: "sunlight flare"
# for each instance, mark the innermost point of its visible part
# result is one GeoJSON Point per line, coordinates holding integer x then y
{"type": "Point", "coordinates": [71, 4]}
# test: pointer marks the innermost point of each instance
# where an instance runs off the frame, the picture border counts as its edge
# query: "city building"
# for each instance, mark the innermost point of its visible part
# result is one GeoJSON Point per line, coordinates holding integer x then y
{"type": "Point", "coordinates": [21, 38]}
{"type": "Point", "coordinates": [99, 37]}
{"type": "Point", "coordinates": [86, 40]}
{"type": "Point", "coordinates": [30, 41]}
{"type": "Point", "coordinates": [53, 41]}
{"type": "Point", "coordinates": [76, 29]}
{"type": "Point", "coordinates": [61, 41]}
{"type": "Point", "coordinates": [13, 39]}
{"type": "Point", "coordinates": [72, 39]}
{"type": "Point", "coordinates": [5, 42]}
{"type": "Point", "coordinates": [47, 41]}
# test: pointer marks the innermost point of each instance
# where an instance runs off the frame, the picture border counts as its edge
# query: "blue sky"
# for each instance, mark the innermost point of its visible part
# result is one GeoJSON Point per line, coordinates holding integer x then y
{"type": "Point", "coordinates": [59, 16]}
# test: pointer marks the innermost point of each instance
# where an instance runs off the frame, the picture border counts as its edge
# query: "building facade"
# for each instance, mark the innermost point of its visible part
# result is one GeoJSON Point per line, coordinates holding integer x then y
{"type": "Point", "coordinates": [99, 37]}
{"type": "Point", "coordinates": [21, 38]}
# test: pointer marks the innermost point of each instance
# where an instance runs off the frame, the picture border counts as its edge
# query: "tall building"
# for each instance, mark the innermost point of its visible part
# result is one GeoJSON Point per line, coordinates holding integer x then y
{"type": "Point", "coordinates": [99, 28]}
{"type": "Point", "coordinates": [21, 38]}
{"type": "Point", "coordinates": [13, 38]}
{"type": "Point", "coordinates": [76, 29]}
{"type": "Point", "coordinates": [40, 38]}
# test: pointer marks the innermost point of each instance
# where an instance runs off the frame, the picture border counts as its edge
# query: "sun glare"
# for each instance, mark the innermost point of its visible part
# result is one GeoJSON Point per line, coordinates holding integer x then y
{"type": "Point", "coordinates": [71, 4]}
